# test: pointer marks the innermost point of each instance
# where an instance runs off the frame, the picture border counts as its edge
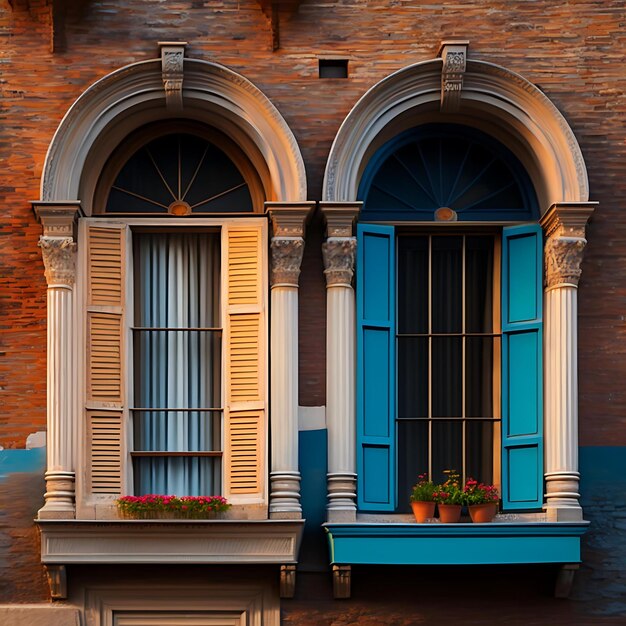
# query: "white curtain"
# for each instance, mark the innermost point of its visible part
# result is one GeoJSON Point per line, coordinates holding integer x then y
{"type": "Point", "coordinates": [177, 286]}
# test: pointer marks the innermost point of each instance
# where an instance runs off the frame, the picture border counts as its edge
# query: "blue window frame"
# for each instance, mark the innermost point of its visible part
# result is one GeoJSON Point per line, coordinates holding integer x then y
{"type": "Point", "coordinates": [418, 160]}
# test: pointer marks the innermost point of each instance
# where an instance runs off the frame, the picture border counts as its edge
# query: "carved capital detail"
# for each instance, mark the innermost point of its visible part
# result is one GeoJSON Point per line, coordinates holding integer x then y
{"type": "Point", "coordinates": [454, 56]}
{"type": "Point", "coordinates": [339, 256]}
{"type": "Point", "coordinates": [59, 259]}
{"type": "Point", "coordinates": [172, 61]}
{"type": "Point", "coordinates": [286, 260]}
{"type": "Point", "coordinates": [563, 256]}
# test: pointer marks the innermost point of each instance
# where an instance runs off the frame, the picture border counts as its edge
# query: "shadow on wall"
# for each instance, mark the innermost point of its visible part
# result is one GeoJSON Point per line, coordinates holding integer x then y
{"type": "Point", "coordinates": [601, 582]}
{"type": "Point", "coordinates": [22, 577]}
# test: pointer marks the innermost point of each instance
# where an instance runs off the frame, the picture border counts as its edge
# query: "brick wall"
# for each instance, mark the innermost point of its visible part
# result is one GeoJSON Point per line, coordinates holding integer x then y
{"type": "Point", "coordinates": [573, 51]}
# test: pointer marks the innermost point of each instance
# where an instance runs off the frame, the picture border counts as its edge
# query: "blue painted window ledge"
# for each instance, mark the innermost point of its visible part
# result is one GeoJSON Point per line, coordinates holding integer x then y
{"type": "Point", "coordinates": [455, 544]}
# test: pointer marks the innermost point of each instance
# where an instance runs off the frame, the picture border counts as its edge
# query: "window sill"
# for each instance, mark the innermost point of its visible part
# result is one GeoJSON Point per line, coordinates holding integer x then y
{"type": "Point", "coordinates": [502, 542]}
{"type": "Point", "coordinates": [65, 542]}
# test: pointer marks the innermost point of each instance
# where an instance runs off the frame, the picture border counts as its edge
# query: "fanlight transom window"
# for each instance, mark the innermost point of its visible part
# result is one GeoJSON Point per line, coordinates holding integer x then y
{"type": "Point", "coordinates": [444, 171]}
{"type": "Point", "coordinates": [180, 174]}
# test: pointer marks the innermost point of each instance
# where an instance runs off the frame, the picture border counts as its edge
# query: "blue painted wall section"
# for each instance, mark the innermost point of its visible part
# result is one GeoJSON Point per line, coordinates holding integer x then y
{"type": "Point", "coordinates": [22, 487]}
{"type": "Point", "coordinates": [313, 448]}
{"type": "Point", "coordinates": [601, 582]}
{"type": "Point", "coordinates": [14, 461]}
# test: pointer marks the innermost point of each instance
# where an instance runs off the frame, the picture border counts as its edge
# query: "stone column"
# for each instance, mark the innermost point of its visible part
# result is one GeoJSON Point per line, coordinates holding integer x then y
{"type": "Point", "coordinates": [564, 226]}
{"type": "Point", "coordinates": [286, 247]}
{"type": "Point", "coordinates": [339, 252]}
{"type": "Point", "coordinates": [58, 249]}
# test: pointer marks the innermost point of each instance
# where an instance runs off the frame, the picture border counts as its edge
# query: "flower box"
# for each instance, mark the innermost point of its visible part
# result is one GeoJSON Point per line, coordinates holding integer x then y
{"type": "Point", "coordinates": [171, 507]}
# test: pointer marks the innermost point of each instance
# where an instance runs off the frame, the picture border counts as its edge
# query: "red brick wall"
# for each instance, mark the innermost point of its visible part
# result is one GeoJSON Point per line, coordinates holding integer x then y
{"type": "Point", "coordinates": [574, 51]}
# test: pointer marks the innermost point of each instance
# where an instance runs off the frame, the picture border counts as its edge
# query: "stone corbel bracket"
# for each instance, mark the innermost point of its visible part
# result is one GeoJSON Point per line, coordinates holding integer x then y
{"type": "Point", "coordinates": [454, 57]}
{"type": "Point", "coordinates": [172, 62]}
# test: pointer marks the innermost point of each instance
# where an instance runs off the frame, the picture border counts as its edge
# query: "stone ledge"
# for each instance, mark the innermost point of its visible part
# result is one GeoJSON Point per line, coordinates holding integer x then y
{"type": "Point", "coordinates": [65, 542]}
{"type": "Point", "coordinates": [455, 544]}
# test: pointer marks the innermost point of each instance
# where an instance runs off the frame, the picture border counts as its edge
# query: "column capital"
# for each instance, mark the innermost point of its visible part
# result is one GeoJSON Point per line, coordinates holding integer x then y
{"type": "Point", "coordinates": [567, 219]}
{"type": "Point", "coordinates": [564, 225]}
{"type": "Point", "coordinates": [57, 218]}
{"type": "Point", "coordinates": [286, 253]}
{"type": "Point", "coordinates": [289, 218]}
{"type": "Point", "coordinates": [339, 255]}
{"type": "Point", "coordinates": [59, 260]}
{"type": "Point", "coordinates": [340, 217]}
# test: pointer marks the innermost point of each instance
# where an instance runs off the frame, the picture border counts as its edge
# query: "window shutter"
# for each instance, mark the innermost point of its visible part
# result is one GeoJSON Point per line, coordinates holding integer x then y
{"type": "Point", "coordinates": [245, 363]}
{"type": "Point", "coordinates": [376, 381]}
{"type": "Point", "coordinates": [522, 378]}
{"type": "Point", "coordinates": [105, 354]}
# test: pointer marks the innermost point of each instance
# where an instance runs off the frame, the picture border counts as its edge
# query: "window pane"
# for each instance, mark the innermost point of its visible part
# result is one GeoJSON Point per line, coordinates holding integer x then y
{"type": "Point", "coordinates": [177, 279]}
{"type": "Point", "coordinates": [479, 376]}
{"type": "Point", "coordinates": [412, 284]}
{"type": "Point", "coordinates": [479, 450]}
{"type": "Point", "coordinates": [177, 369]}
{"type": "Point", "coordinates": [412, 458]}
{"type": "Point", "coordinates": [412, 377]}
{"type": "Point", "coordinates": [478, 284]}
{"type": "Point", "coordinates": [447, 270]}
{"type": "Point", "coordinates": [447, 365]}
{"type": "Point", "coordinates": [177, 431]}
{"type": "Point", "coordinates": [180, 476]}
{"type": "Point", "coordinates": [447, 447]}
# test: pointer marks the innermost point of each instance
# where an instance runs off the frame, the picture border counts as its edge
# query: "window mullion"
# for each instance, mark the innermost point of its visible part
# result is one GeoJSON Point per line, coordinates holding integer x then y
{"type": "Point", "coordinates": [430, 357]}
{"type": "Point", "coordinates": [463, 293]}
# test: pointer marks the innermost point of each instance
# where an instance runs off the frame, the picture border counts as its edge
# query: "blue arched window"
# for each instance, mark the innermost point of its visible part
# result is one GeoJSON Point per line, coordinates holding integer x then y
{"type": "Point", "coordinates": [449, 342]}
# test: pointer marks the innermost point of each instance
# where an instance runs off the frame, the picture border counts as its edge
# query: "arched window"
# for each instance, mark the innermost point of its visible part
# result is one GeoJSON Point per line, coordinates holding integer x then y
{"type": "Point", "coordinates": [449, 314]}
{"type": "Point", "coordinates": [175, 315]}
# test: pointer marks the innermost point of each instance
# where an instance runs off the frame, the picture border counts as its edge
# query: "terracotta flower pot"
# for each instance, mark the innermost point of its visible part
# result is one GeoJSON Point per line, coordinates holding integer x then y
{"type": "Point", "coordinates": [423, 510]}
{"type": "Point", "coordinates": [483, 513]}
{"type": "Point", "coordinates": [449, 513]}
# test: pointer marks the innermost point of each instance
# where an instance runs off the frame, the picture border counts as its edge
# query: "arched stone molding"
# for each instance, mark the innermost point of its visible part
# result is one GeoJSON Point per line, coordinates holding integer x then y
{"type": "Point", "coordinates": [515, 112]}
{"type": "Point", "coordinates": [493, 99]}
{"type": "Point", "coordinates": [134, 95]}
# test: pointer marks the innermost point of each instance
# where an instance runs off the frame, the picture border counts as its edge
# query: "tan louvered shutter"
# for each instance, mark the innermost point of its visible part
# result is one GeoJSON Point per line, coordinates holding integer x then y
{"type": "Point", "coordinates": [245, 363]}
{"type": "Point", "coordinates": [105, 352]}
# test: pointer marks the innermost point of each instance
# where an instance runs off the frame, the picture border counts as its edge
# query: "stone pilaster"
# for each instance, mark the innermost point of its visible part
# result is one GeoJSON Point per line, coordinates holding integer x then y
{"type": "Point", "coordinates": [564, 227]}
{"type": "Point", "coordinates": [339, 253]}
{"type": "Point", "coordinates": [286, 250]}
{"type": "Point", "coordinates": [58, 249]}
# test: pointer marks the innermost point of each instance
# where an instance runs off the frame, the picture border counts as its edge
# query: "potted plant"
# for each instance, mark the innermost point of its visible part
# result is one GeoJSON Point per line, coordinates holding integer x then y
{"type": "Point", "coordinates": [421, 499]}
{"type": "Point", "coordinates": [450, 498]}
{"type": "Point", "coordinates": [482, 500]}
{"type": "Point", "coordinates": [171, 507]}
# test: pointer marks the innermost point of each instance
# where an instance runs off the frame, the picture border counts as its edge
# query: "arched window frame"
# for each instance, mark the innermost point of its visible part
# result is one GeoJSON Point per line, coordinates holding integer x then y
{"type": "Point", "coordinates": [517, 434]}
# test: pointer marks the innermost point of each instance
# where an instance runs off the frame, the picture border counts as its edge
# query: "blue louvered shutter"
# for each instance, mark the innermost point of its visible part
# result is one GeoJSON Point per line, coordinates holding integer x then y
{"type": "Point", "coordinates": [376, 384]}
{"type": "Point", "coordinates": [522, 378]}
